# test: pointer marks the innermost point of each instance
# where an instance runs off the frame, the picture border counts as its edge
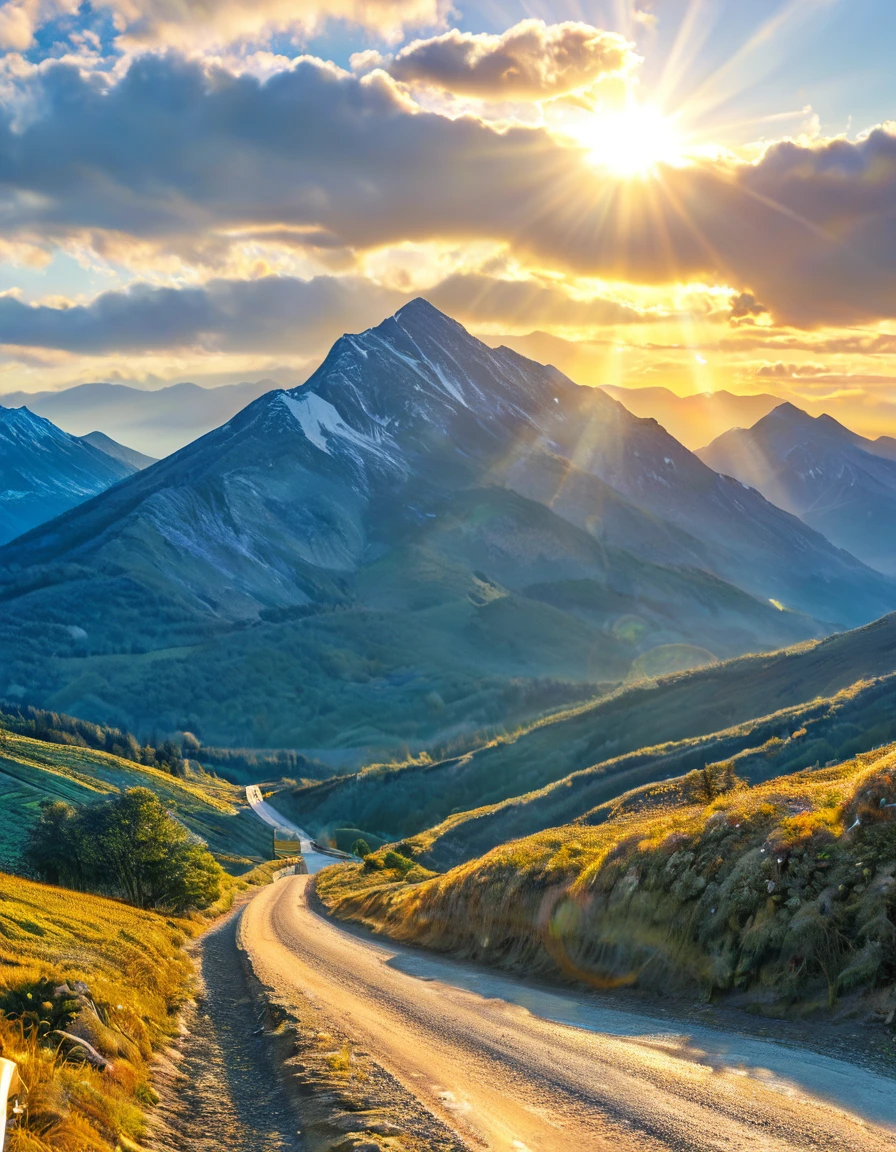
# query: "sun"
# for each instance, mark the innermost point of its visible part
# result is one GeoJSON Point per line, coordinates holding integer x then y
{"type": "Point", "coordinates": [632, 141]}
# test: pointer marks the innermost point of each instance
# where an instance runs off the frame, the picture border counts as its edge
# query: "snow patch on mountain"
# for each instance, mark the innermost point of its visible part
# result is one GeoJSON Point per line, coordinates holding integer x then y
{"type": "Point", "coordinates": [320, 422]}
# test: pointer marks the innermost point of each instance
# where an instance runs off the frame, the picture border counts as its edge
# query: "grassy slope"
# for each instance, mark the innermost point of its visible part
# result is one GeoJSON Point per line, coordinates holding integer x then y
{"type": "Point", "coordinates": [32, 770]}
{"type": "Point", "coordinates": [397, 802]}
{"type": "Point", "coordinates": [133, 964]}
{"type": "Point", "coordinates": [826, 730]}
{"type": "Point", "coordinates": [772, 892]}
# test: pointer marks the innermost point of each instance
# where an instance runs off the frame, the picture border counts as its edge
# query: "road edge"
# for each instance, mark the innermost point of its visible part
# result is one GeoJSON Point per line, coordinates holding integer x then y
{"type": "Point", "coordinates": [347, 1100]}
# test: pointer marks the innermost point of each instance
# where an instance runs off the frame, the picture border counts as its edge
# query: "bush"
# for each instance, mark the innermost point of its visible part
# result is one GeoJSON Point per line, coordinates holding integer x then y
{"type": "Point", "coordinates": [395, 860]}
{"type": "Point", "coordinates": [129, 846]}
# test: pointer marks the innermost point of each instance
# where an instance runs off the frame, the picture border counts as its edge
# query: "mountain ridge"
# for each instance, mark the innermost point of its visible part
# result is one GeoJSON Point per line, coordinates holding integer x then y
{"type": "Point", "coordinates": [45, 471]}
{"type": "Point", "coordinates": [835, 480]}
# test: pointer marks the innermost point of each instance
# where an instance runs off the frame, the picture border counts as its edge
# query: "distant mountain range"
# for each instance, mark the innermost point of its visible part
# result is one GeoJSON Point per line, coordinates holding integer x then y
{"type": "Point", "coordinates": [833, 479]}
{"type": "Point", "coordinates": [155, 422]}
{"type": "Point", "coordinates": [44, 471]}
{"type": "Point", "coordinates": [429, 536]}
{"type": "Point", "coordinates": [697, 419]}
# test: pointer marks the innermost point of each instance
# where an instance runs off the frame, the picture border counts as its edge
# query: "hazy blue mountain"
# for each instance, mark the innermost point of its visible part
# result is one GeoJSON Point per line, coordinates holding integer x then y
{"type": "Point", "coordinates": [832, 478]}
{"type": "Point", "coordinates": [394, 550]}
{"type": "Point", "coordinates": [44, 471]}
{"type": "Point", "coordinates": [129, 456]}
{"type": "Point", "coordinates": [154, 422]}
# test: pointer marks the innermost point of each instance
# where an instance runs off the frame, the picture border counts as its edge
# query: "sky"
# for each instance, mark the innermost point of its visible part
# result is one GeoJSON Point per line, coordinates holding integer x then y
{"type": "Point", "coordinates": [695, 194]}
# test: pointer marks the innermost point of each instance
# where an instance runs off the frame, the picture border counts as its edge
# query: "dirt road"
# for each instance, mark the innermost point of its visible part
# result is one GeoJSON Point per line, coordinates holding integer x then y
{"type": "Point", "coordinates": [511, 1066]}
{"type": "Point", "coordinates": [218, 1085]}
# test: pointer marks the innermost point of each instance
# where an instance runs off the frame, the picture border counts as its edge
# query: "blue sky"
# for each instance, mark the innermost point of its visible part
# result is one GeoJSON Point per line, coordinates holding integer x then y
{"type": "Point", "coordinates": [694, 193]}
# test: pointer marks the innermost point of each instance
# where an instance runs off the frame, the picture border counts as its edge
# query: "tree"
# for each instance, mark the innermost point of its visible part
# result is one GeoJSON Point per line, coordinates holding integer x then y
{"type": "Point", "coordinates": [360, 848]}
{"type": "Point", "coordinates": [128, 846]}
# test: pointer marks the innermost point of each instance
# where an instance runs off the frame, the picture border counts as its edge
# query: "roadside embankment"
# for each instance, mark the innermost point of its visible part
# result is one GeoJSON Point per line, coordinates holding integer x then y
{"type": "Point", "coordinates": [781, 896]}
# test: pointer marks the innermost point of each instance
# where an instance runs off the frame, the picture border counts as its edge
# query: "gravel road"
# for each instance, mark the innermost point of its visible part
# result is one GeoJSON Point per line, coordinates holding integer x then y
{"type": "Point", "coordinates": [513, 1066]}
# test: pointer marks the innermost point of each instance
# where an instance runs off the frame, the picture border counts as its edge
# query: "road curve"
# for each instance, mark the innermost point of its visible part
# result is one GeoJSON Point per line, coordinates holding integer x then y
{"type": "Point", "coordinates": [274, 819]}
{"type": "Point", "coordinates": [487, 1054]}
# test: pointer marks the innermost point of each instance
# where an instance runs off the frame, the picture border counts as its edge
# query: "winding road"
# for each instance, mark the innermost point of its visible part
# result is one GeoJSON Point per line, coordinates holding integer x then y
{"type": "Point", "coordinates": [515, 1066]}
{"type": "Point", "coordinates": [270, 816]}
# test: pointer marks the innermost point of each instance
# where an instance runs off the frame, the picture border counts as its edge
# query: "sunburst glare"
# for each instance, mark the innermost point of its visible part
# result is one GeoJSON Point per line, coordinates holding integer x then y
{"type": "Point", "coordinates": [632, 141]}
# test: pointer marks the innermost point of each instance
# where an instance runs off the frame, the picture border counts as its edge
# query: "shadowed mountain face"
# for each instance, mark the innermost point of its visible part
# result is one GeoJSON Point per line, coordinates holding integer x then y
{"type": "Point", "coordinates": [44, 471]}
{"type": "Point", "coordinates": [424, 522]}
{"type": "Point", "coordinates": [833, 479]}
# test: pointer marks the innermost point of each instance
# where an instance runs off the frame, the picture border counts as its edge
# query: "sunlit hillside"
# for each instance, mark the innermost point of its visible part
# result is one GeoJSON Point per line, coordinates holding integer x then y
{"type": "Point", "coordinates": [780, 894]}
{"type": "Point", "coordinates": [134, 976]}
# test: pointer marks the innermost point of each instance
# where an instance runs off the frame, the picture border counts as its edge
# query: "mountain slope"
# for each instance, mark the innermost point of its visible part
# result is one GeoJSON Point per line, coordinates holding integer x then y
{"type": "Point", "coordinates": [535, 529]}
{"type": "Point", "coordinates": [44, 471]}
{"type": "Point", "coordinates": [129, 456]}
{"type": "Point", "coordinates": [156, 422]}
{"type": "Point", "coordinates": [635, 720]}
{"type": "Point", "coordinates": [835, 480]}
{"type": "Point", "coordinates": [780, 894]}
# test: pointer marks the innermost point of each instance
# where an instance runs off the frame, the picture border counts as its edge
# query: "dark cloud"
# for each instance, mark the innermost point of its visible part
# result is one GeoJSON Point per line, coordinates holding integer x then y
{"type": "Point", "coordinates": [171, 153]}
{"type": "Point", "coordinates": [532, 60]}
{"type": "Point", "coordinates": [278, 314]}
{"type": "Point", "coordinates": [271, 315]}
{"type": "Point", "coordinates": [745, 306]}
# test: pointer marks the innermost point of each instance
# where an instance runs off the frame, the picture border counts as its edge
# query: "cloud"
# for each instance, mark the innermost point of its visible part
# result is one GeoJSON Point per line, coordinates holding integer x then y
{"type": "Point", "coordinates": [174, 154]}
{"type": "Point", "coordinates": [531, 61]}
{"type": "Point", "coordinates": [279, 314]}
{"type": "Point", "coordinates": [745, 306]}
{"type": "Point", "coordinates": [779, 370]}
{"type": "Point", "coordinates": [271, 315]}
{"type": "Point", "coordinates": [200, 24]}
{"type": "Point", "coordinates": [20, 20]}
{"type": "Point", "coordinates": [526, 304]}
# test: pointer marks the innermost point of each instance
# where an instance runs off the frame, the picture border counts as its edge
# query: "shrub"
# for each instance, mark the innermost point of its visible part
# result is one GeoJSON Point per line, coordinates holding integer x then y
{"type": "Point", "coordinates": [128, 846]}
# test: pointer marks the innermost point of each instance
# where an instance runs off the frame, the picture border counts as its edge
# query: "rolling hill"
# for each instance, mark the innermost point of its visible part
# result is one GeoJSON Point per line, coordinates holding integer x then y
{"type": "Point", "coordinates": [833, 479]}
{"type": "Point", "coordinates": [427, 538]}
{"type": "Point", "coordinates": [32, 770]}
{"type": "Point", "coordinates": [619, 734]}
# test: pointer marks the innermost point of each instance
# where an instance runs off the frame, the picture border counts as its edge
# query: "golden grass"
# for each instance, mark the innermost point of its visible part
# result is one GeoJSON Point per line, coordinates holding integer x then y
{"type": "Point", "coordinates": [138, 975]}
{"type": "Point", "coordinates": [772, 888]}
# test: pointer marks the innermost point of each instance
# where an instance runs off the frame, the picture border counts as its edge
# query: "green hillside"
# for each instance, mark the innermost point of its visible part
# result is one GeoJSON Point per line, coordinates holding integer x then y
{"type": "Point", "coordinates": [400, 801]}
{"type": "Point", "coordinates": [819, 733]}
{"type": "Point", "coordinates": [32, 770]}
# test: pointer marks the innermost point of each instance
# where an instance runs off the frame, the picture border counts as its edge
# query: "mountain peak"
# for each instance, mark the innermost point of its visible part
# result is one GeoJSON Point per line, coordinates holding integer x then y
{"type": "Point", "coordinates": [790, 412]}
{"type": "Point", "coordinates": [22, 422]}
